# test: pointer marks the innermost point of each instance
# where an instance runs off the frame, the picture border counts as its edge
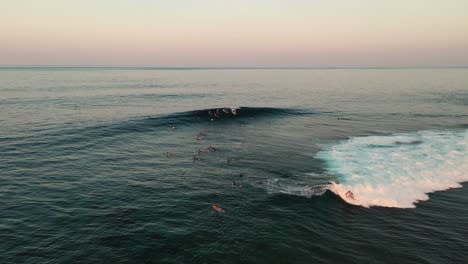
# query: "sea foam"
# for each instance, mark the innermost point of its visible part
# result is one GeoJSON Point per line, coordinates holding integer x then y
{"type": "Point", "coordinates": [398, 170]}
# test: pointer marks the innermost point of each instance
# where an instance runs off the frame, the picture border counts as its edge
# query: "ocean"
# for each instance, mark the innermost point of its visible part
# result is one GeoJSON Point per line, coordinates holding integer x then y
{"type": "Point", "coordinates": [124, 165]}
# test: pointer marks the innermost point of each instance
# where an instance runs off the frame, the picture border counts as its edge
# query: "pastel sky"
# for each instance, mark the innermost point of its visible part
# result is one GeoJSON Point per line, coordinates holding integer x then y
{"type": "Point", "coordinates": [237, 33]}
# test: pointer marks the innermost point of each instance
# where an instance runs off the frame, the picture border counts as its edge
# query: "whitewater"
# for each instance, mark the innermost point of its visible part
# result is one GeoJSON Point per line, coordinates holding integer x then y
{"type": "Point", "coordinates": [397, 170]}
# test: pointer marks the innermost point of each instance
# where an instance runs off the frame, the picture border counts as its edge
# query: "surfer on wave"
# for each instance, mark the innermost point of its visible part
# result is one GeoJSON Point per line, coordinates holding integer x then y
{"type": "Point", "coordinates": [349, 195]}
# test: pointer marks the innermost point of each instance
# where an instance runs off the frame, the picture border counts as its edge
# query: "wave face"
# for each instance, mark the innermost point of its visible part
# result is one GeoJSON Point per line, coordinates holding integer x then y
{"type": "Point", "coordinates": [147, 124]}
{"type": "Point", "coordinates": [241, 112]}
{"type": "Point", "coordinates": [398, 170]}
{"type": "Point", "coordinates": [212, 114]}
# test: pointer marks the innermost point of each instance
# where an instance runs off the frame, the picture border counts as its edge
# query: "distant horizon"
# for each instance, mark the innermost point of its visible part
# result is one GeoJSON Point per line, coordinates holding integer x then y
{"type": "Point", "coordinates": [237, 67]}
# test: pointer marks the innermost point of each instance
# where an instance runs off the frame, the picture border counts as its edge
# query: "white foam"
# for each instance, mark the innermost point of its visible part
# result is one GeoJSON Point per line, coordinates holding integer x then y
{"type": "Point", "coordinates": [292, 187]}
{"type": "Point", "coordinates": [398, 170]}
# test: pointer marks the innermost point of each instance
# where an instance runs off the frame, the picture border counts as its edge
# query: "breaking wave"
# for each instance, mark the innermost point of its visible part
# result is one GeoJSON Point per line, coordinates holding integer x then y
{"type": "Point", "coordinates": [398, 170]}
{"type": "Point", "coordinates": [241, 112]}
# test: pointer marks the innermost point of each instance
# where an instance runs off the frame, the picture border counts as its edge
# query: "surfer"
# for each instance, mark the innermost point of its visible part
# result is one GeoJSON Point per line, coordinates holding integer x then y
{"type": "Point", "coordinates": [236, 184]}
{"type": "Point", "coordinates": [195, 158]}
{"type": "Point", "coordinates": [217, 208]}
{"type": "Point", "coordinates": [349, 195]}
{"type": "Point", "coordinates": [199, 138]}
{"type": "Point", "coordinates": [200, 151]}
{"type": "Point", "coordinates": [212, 149]}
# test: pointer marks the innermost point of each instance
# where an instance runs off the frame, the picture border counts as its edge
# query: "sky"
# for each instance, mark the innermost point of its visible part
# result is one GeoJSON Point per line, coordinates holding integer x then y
{"type": "Point", "coordinates": [236, 33]}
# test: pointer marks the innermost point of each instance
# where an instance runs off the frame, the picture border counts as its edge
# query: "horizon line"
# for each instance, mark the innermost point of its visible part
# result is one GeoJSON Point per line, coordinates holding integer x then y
{"type": "Point", "coordinates": [235, 67]}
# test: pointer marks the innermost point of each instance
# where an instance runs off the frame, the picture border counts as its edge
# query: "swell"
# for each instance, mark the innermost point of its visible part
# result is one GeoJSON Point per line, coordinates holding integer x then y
{"type": "Point", "coordinates": [75, 135]}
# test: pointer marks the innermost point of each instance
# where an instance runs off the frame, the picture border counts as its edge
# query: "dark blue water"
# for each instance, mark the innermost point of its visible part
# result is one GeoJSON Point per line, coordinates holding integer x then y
{"type": "Point", "coordinates": [97, 165]}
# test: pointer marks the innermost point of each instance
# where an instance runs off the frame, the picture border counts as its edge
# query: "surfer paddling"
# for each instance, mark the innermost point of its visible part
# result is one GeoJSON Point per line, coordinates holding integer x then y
{"type": "Point", "coordinates": [217, 208]}
{"type": "Point", "coordinates": [212, 149]}
{"type": "Point", "coordinates": [235, 184]}
{"type": "Point", "coordinates": [349, 195]}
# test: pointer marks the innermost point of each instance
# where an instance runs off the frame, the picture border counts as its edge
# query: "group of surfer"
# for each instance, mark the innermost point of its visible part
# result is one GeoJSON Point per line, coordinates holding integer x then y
{"type": "Point", "coordinates": [210, 149]}
{"type": "Point", "coordinates": [219, 111]}
{"type": "Point", "coordinates": [215, 114]}
{"type": "Point", "coordinates": [348, 194]}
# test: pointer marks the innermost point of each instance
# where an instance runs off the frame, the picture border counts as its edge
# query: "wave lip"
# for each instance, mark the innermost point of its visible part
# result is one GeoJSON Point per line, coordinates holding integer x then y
{"type": "Point", "coordinates": [402, 173]}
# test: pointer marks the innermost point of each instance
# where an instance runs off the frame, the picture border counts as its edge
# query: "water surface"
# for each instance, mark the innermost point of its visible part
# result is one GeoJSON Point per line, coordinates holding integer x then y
{"type": "Point", "coordinates": [96, 165]}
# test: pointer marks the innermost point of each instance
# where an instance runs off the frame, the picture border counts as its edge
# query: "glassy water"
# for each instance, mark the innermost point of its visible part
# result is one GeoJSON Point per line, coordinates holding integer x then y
{"type": "Point", "coordinates": [114, 165]}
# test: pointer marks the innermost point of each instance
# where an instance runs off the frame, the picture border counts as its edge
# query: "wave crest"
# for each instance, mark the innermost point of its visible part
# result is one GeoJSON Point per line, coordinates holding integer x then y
{"type": "Point", "coordinates": [240, 112]}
